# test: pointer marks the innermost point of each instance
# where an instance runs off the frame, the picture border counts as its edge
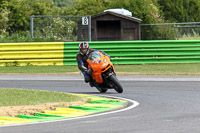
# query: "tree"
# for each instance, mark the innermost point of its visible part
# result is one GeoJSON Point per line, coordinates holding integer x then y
{"type": "Point", "coordinates": [91, 7]}
{"type": "Point", "coordinates": [21, 10]}
{"type": "Point", "coordinates": [4, 13]}
{"type": "Point", "coordinates": [180, 10]}
{"type": "Point", "coordinates": [65, 3]}
{"type": "Point", "coordinates": [143, 9]}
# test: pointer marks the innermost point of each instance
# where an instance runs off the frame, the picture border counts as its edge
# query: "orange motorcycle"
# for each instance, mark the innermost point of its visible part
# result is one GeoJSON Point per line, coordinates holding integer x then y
{"type": "Point", "coordinates": [103, 73]}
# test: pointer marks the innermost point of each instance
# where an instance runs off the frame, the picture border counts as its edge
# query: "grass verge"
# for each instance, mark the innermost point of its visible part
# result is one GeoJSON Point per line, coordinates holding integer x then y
{"type": "Point", "coordinates": [150, 69]}
{"type": "Point", "coordinates": [21, 97]}
{"type": "Point", "coordinates": [160, 69]}
{"type": "Point", "coordinates": [39, 69]}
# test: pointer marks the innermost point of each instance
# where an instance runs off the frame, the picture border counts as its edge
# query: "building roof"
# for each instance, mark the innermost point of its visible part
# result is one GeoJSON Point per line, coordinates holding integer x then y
{"type": "Point", "coordinates": [118, 15]}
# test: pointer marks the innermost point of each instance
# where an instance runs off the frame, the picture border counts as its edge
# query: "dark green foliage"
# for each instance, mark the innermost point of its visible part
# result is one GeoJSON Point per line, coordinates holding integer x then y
{"type": "Point", "coordinates": [15, 14]}
{"type": "Point", "coordinates": [91, 7]}
{"type": "Point", "coordinates": [180, 10]}
{"type": "Point", "coordinates": [166, 32]}
{"type": "Point", "coordinates": [65, 3]}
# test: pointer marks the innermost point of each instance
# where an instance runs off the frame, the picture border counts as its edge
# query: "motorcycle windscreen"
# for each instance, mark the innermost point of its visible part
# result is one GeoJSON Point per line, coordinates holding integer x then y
{"type": "Point", "coordinates": [94, 56]}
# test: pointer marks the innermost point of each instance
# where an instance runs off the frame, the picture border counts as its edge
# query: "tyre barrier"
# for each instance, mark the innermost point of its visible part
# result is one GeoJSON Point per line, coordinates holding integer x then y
{"type": "Point", "coordinates": [96, 104]}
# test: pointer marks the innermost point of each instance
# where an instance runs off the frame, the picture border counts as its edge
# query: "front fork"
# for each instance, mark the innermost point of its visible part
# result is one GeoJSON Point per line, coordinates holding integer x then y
{"type": "Point", "coordinates": [106, 78]}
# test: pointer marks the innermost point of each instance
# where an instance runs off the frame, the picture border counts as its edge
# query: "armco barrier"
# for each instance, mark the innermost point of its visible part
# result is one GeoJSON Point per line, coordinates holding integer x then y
{"type": "Point", "coordinates": [121, 52]}
{"type": "Point", "coordinates": [24, 54]}
{"type": "Point", "coordinates": [142, 52]}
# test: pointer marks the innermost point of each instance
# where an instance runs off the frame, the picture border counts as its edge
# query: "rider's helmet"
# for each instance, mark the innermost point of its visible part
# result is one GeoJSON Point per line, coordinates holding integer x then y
{"type": "Point", "coordinates": [84, 48]}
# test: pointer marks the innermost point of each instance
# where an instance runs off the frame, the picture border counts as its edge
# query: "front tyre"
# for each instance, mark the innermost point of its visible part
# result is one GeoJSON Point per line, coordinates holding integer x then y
{"type": "Point", "coordinates": [116, 84]}
{"type": "Point", "coordinates": [102, 90]}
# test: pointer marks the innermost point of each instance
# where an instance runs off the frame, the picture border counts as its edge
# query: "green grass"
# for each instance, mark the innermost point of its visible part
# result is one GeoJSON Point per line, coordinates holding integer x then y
{"type": "Point", "coordinates": [38, 69]}
{"type": "Point", "coordinates": [189, 38]}
{"type": "Point", "coordinates": [19, 97]}
{"type": "Point", "coordinates": [150, 69]}
{"type": "Point", "coordinates": [160, 69]}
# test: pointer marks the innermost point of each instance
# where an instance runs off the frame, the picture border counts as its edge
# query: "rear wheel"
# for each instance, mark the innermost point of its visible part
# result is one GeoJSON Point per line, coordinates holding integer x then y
{"type": "Point", "coordinates": [117, 86]}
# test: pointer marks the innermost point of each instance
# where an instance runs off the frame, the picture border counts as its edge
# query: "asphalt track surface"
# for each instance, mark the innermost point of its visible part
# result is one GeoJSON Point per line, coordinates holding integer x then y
{"type": "Point", "coordinates": [169, 104]}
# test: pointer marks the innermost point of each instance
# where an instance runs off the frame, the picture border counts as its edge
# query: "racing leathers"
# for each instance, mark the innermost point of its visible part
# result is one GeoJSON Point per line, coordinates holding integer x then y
{"type": "Point", "coordinates": [83, 65]}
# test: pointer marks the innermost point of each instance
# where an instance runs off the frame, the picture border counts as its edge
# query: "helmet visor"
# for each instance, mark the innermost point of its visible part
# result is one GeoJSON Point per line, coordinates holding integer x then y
{"type": "Point", "coordinates": [84, 50]}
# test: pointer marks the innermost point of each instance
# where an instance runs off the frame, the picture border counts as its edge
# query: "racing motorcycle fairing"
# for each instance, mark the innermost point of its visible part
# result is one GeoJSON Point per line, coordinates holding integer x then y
{"type": "Point", "coordinates": [99, 64]}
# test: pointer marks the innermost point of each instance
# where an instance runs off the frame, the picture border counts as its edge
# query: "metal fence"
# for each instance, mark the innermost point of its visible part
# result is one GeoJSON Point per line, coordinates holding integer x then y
{"type": "Point", "coordinates": [65, 28]}
{"type": "Point", "coordinates": [171, 31]}
{"type": "Point", "coordinates": [61, 28]}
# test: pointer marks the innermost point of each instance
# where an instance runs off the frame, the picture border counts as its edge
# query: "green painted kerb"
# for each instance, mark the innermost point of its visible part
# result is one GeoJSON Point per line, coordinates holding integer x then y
{"type": "Point", "coordinates": [96, 105]}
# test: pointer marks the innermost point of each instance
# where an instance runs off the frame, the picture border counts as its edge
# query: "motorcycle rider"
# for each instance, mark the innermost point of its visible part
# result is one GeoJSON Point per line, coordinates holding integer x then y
{"type": "Point", "coordinates": [81, 58]}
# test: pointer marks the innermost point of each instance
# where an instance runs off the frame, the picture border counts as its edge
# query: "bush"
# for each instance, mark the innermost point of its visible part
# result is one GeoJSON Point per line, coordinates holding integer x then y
{"type": "Point", "coordinates": [24, 36]}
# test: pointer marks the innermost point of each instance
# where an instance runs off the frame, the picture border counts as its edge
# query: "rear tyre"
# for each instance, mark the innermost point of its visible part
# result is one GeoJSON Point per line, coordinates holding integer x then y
{"type": "Point", "coordinates": [116, 84]}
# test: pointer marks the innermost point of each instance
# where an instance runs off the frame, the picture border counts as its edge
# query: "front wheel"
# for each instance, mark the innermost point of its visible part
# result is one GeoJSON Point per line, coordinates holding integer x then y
{"type": "Point", "coordinates": [102, 90]}
{"type": "Point", "coordinates": [117, 85]}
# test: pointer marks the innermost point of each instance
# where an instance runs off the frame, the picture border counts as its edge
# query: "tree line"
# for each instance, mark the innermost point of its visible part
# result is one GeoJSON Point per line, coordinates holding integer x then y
{"type": "Point", "coordinates": [15, 14]}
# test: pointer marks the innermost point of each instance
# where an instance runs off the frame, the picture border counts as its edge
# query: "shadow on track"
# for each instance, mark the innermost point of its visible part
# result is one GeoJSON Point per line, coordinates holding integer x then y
{"type": "Point", "coordinates": [95, 93]}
